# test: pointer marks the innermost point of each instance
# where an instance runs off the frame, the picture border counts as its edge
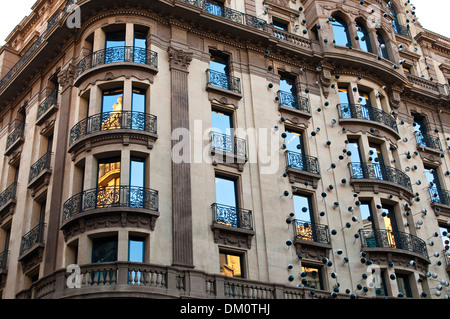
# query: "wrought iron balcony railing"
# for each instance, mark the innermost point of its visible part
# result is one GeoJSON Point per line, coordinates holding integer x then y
{"type": "Point", "coordinates": [302, 162]}
{"type": "Point", "coordinates": [3, 259]}
{"type": "Point", "coordinates": [117, 54]}
{"type": "Point", "coordinates": [382, 238]}
{"type": "Point", "coordinates": [8, 194]}
{"type": "Point", "coordinates": [306, 230]}
{"type": "Point", "coordinates": [378, 171]}
{"type": "Point", "coordinates": [232, 216]}
{"type": "Point", "coordinates": [113, 121]}
{"type": "Point", "coordinates": [429, 141]}
{"type": "Point", "coordinates": [293, 101]}
{"type": "Point", "coordinates": [364, 112]}
{"type": "Point", "coordinates": [16, 134]}
{"type": "Point", "coordinates": [47, 103]}
{"type": "Point", "coordinates": [223, 81]}
{"type": "Point", "coordinates": [228, 144]}
{"type": "Point", "coordinates": [402, 30]}
{"type": "Point", "coordinates": [33, 237]}
{"type": "Point", "coordinates": [39, 166]}
{"type": "Point", "coordinates": [438, 195]}
{"type": "Point", "coordinates": [229, 14]}
{"type": "Point", "coordinates": [104, 197]}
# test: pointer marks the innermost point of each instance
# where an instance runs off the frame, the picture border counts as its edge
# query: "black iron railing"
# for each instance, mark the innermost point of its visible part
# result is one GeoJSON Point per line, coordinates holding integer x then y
{"type": "Point", "coordinates": [8, 194]}
{"type": "Point", "coordinates": [47, 103]}
{"type": "Point", "coordinates": [39, 166]}
{"type": "Point", "coordinates": [379, 172]}
{"type": "Point", "coordinates": [228, 144]}
{"type": "Point", "coordinates": [117, 54]}
{"type": "Point", "coordinates": [16, 134]}
{"type": "Point", "coordinates": [33, 237]}
{"type": "Point", "coordinates": [438, 195]}
{"type": "Point", "coordinates": [306, 230]}
{"type": "Point", "coordinates": [104, 197]}
{"type": "Point", "coordinates": [302, 162]}
{"type": "Point", "coordinates": [232, 216]}
{"type": "Point", "coordinates": [229, 14]}
{"type": "Point", "coordinates": [382, 238]}
{"type": "Point", "coordinates": [402, 30]}
{"type": "Point", "coordinates": [429, 141]}
{"type": "Point", "coordinates": [364, 112]}
{"type": "Point", "coordinates": [293, 101]}
{"type": "Point", "coordinates": [223, 81]}
{"type": "Point", "coordinates": [113, 121]}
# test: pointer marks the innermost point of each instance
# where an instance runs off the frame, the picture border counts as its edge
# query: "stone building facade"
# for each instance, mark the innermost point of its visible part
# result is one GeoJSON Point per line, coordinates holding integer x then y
{"type": "Point", "coordinates": [278, 149]}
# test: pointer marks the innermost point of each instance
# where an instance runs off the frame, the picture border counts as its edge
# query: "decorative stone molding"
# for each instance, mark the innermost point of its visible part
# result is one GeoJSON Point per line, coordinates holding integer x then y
{"type": "Point", "coordinates": [226, 235]}
{"type": "Point", "coordinates": [179, 59]}
{"type": "Point", "coordinates": [66, 76]}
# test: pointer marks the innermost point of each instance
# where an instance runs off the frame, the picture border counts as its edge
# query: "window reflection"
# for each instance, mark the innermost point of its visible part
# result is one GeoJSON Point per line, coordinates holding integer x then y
{"type": "Point", "coordinates": [231, 265]}
{"type": "Point", "coordinates": [112, 109]}
{"type": "Point", "coordinates": [341, 34]}
{"type": "Point", "coordinates": [313, 277]}
{"type": "Point", "coordinates": [108, 182]}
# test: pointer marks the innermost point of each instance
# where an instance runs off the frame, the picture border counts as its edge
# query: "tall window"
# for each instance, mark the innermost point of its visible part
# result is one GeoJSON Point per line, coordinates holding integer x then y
{"type": "Point", "coordinates": [367, 216]}
{"type": "Point", "coordinates": [296, 150]}
{"type": "Point", "coordinates": [115, 46]}
{"type": "Point", "coordinates": [138, 105]}
{"type": "Point", "coordinates": [313, 276]}
{"type": "Point", "coordinates": [231, 264]}
{"type": "Point", "coordinates": [226, 191]}
{"type": "Point", "coordinates": [288, 92]}
{"type": "Point", "coordinates": [219, 70]}
{"type": "Point", "coordinates": [104, 249]}
{"type": "Point", "coordinates": [305, 227]}
{"type": "Point", "coordinates": [395, 23]}
{"type": "Point", "coordinates": [390, 223]}
{"type": "Point", "coordinates": [215, 7]}
{"type": "Point", "coordinates": [140, 47]}
{"type": "Point", "coordinates": [382, 47]}
{"type": "Point", "coordinates": [355, 158]}
{"type": "Point", "coordinates": [112, 109]}
{"type": "Point", "coordinates": [108, 181]}
{"type": "Point", "coordinates": [376, 160]}
{"type": "Point", "coordinates": [434, 185]}
{"type": "Point", "coordinates": [344, 99]}
{"type": "Point", "coordinates": [136, 249]}
{"type": "Point", "coordinates": [404, 285]}
{"type": "Point", "coordinates": [222, 137]}
{"type": "Point", "coordinates": [341, 33]}
{"type": "Point", "coordinates": [137, 182]}
{"type": "Point", "coordinates": [364, 40]}
{"type": "Point", "coordinates": [420, 126]}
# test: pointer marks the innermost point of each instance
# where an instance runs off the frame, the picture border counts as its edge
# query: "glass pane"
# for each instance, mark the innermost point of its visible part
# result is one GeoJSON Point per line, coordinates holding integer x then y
{"type": "Point", "coordinates": [112, 109]}
{"type": "Point", "coordinates": [115, 39]}
{"type": "Point", "coordinates": [364, 41]}
{"type": "Point", "coordinates": [433, 183]}
{"type": "Point", "coordinates": [136, 249]}
{"type": "Point", "coordinates": [340, 31]}
{"type": "Point", "coordinates": [364, 99]}
{"type": "Point", "coordinates": [313, 277]}
{"type": "Point", "coordinates": [353, 147]}
{"type": "Point", "coordinates": [104, 249]}
{"type": "Point", "coordinates": [382, 47]}
{"type": "Point", "coordinates": [293, 140]}
{"type": "Point", "coordinates": [226, 192]}
{"type": "Point", "coordinates": [140, 40]}
{"type": "Point", "coordinates": [231, 265]}
{"type": "Point", "coordinates": [403, 285]}
{"type": "Point", "coordinates": [366, 215]}
{"type": "Point", "coordinates": [218, 64]}
{"type": "Point", "coordinates": [377, 160]}
{"type": "Point", "coordinates": [302, 208]}
{"type": "Point", "coordinates": [343, 96]}
{"type": "Point", "coordinates": [108, 182]}
{"type": "Point", "coordinates": [214, 7]}
{"type": "Point", "coordinates": [115, 47]}
{"type": "Point", "coordinates": [222, 122]}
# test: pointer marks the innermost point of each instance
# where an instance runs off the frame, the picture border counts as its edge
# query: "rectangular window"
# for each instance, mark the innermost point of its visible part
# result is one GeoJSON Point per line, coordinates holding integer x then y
{"type": "Point", "coordinates": [108, 182]}
{"type": "Point", "coordinates": [364, 100]}
{"type": "Point", "coordinates": [357, 169]}
{"type": "Point", "coordinates": [227, 203]}
{"type": "Point", "coordinates": [390, 224]}
{"type": "Point", "coordinates": [232, 264]}
{"type": "Point", "coordinates": [296, 155]}
{"type": "Point", "coordinates": [104, 249]}
{"type": "Point", "coordinates": [305, 228]}
{"type": "Point", "coordinates": [288, 92]}
{"type": "Point", "coordinates": [136, 249]}
{"type": "Point", "coordinates": [367, 217]}
{"type": "Point", "coordinates": [379, 283]}
{"type": "Point", "coordinates": [115, 47]}
{"type": "Point", "coordinates": [434, 185]}
{"type": "Point", "coordinates": [377, 160]}
{"type": "Point", "coordinates": [138, 106]}
{"type": "Point", "coordinates": [215, 7]}
{"type": "Point", "coordinates": [137, 183]}
{"type": "Point", "coordinates": [314, 278]}
{"type": "Point", "coordinates": [111, 116]}
{"type": "Point", "coordinates": [403, 285]}
{"type": "Point", "coordinates": [280, 25]}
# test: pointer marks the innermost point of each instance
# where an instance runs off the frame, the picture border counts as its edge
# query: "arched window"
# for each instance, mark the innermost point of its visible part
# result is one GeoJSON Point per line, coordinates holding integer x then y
{"type": "Point", "coordinates": [364, 40]}
{"type": "Point", "coordinates": [382, 46]}
{"type": "Point", "coordinates": [341, 34]}
{"type": "Point", "coordinates": [395, 22]}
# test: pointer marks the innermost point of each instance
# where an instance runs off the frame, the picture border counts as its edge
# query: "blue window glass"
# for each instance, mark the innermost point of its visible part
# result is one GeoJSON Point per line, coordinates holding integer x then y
{"type": "Point", "coordinates": [382, 46]}
{"type": "Point", "coordinates": [341, 34]}
{"type": "Point", "coordinates": [136, 249]}
{"type": "Point", "coordinates": [115, 47]}
{"type": "Point", "coordinates": [140, 47]}
{"type": "Point", "coordinates": [303, 208]}
{"type": "Point", "coordinates": [364, 40]}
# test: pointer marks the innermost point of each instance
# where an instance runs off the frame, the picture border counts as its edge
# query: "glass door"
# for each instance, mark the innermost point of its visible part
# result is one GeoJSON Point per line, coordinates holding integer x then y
{"type": "Point", "coordinates": [344, 100]}
{"type": "Point", "coordinates": [376, 161]}
{"type": "Point", "coordinates": [138, 116]}
{"type": "Point", "coordinates": [390, 224]}
{"type": "Point", "coordinates": [434, 185]}
{"type": "Point", "coordinates": [305, 227]}
{"type": "Point", "coordinates": [357, 167]}
{"type": "Point", "coordinates": [140, 47]}
{"type": "Point", "coordinates": [365, 105]}
{"type": "Point", "coordinates": [295, 150]}
{"type": "Point", "coordinates": [111, 115]}
{"type": "Point", "coordinates": [115, 47]}
{"type": "Point", "coordinates": [137, 183]}
{"type": "Point", "coordinates": [108, 182]}
{"type": "Point", "coordinates": [223, 135]}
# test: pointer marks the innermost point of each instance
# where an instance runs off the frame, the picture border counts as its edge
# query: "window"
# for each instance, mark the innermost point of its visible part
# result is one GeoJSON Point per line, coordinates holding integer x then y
{"type": "Point", "coordinates": [364, 40]}
{"type": "Point", "coordinates": [232, 264]}
{"type": "Point", "coordinates": [420, 127]}
{"type": "Point", "coordinates": [280, 25]}
{"type": "Point", "coordinates": [341, 33]}
{"type": "Point", "coordinates": [226, 191]}
{"type": "Point", "coordinates": [390, 223]}
{"type": "Point", "coordinates": [382, 46]}
{"type": "Point", "coordinates": [115, 41]}
{"type": "Point", "coordinates": [137, 183]}
{"type": "Point", "coordinates": [364, 100]}
{"type": "Point", "coordinates": [434, 185]}
{"type": "Point", "coordinates": [357, 170]}
{"type": "Point", "coordinates": [313, 276]}
{"type": "Point", "coordinates": [222, 135]}
{"type": "Point", "coordinates": [136, 249]}
{"type": "Point", "coordinates": [367, 217]}
{"type": "Point", "coordinates": [445, 236]}
{"type": "Point", "coordinates": [138, 106]}
{"type": "Point", "coordinates": [112, 109]}
{"type": "Point", "coordinates": [403, 284]}
{"type": "Point", "coordinates": [104, 249]}
{"type": "Point", "coordinates": [377, 161]}
{"type": "Point", "coordinates": [288, 92]}
{"type": "Point", "coordinates": [215, 7]}
{"type": "Point", "coordinates": [379, 283]}
{"type": "Point", "coordinates": [219, 70]}
{"type": "Point", "coordinates": [305, 227]}
{"type": "Point", "coordinates": [108, 181]}
{"type": "Point", "coordinates": [295, 148]}
{"type": "Point", "coordinates": [395, 22]}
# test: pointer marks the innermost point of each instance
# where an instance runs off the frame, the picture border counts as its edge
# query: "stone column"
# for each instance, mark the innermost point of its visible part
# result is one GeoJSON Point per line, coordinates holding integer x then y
{"type": "Point", "coordinates": [65, 80]}
{"type": "Point", "coordinates": [181, 173]}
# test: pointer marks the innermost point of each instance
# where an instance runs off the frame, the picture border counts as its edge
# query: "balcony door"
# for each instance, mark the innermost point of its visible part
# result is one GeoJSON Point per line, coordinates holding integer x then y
{"type": "Point", "coordinates": [377, 161]}
{"type": "Point", "coordinates": [115, 47]}
{"type": "Point", "coordinates": [391, 227]}
{"type": "Point", "coordinates": [357, 168]}
{"type": "Point", "coordinates": [344, 99]}
{"type": "Point", "coordinates": [223, 135]}
{"type": "Point", "coordinates": [421, 128]}
{"type": "Point", "coordinates": [434, 185]}
{"type": "Point", "coordinates": [111, 115]}
{"type": "Point", "coordinates": [219, 70]}
{"type": "Point", "coordinates": [108, 182]}
{"type": "Point", "coordinates": [140, 47]}
{"type": "Point", "coordinates": [365, 105]}
{"type": "Point", "coordinates": [304, 217]}
{"type": "Point", "coordinates": [288, 92]}
{"type": "Point", "coordinates": [138, 105]}
{"type": "Point", "coordinates": [136, 194]}
{"type": "Point", "coordinates": [295, 150]}
{"type": "Point", "coordinates": [227, 203]}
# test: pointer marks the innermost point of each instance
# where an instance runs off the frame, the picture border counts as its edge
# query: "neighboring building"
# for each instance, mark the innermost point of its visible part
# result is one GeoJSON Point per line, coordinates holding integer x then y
{"type": "Point", "coordinates": [316, 164]}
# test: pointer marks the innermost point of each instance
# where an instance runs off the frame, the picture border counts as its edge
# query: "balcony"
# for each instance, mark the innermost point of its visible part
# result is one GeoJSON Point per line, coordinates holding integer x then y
{"type": "Point", "coordinates": [228, 150]}
{"type": "Point", "coordinates": [357, 117]}
{"type": "Point", "coordinates": [3, 267]}
{"type": "Point", "coordinates": [40, 173]}
{"type": "Point", "coordinates": [440, 199]}
{"type": "Point", "coordinates": [377, 178]}
{"type": "Point", "coordinates": [113, 127]}
{"type": "Point", "coordinates": [223, 83]}
{"type": "Point", "coordinates": [7, 201]}
{"type": "Point", "coordinates": [128, 55]}
{"type": "Point", "coordinates": [15, 138]}
{"type": "Point", "coordinates": [429, 143]}
{"type": "Point", "coordinates": [232, 225]}
{"type": "Point", "coordinates": [47, 107]}
{"type": "Point", "coordinates": [32, 247]}
{"type": "Point", "coordinates": [123, 205]}
{"type": "Point", "coordinates": [387, 242]}
{"type": "Point", "coordinates": [124, 279]}
{"type": "Point", "coordinates": [302, 168]}
{"type": "Point", "coordinates": [311, 239]}
{"type": "Point", "coordinates": [292, 104]}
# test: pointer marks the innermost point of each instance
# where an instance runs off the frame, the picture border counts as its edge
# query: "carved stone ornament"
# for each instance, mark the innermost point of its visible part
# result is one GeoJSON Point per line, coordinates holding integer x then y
{"type": "Point", "coordinates": [179, 59]}
{"type": "Point", "coordinates": [66, 76]}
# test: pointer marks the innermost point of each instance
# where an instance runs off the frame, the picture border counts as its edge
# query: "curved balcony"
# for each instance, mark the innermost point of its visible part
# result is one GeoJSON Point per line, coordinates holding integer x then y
{"type": "Point", "coordinates": [365, 118]}
{"type": "Point", "coordinates": [126, 206]}
{"type": "Point", "coordinates": [388, 242]}
{"type": "Point", "coordinates": [302, 168]}
{"type": "Point", "coordinates": [130, 55]}
{"type": "Point", "coordinates": [232, 225]}
{"type": "Point", "coordinates": [113, 127]}
{"type": "Point", "coordinates": [380, 178]}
